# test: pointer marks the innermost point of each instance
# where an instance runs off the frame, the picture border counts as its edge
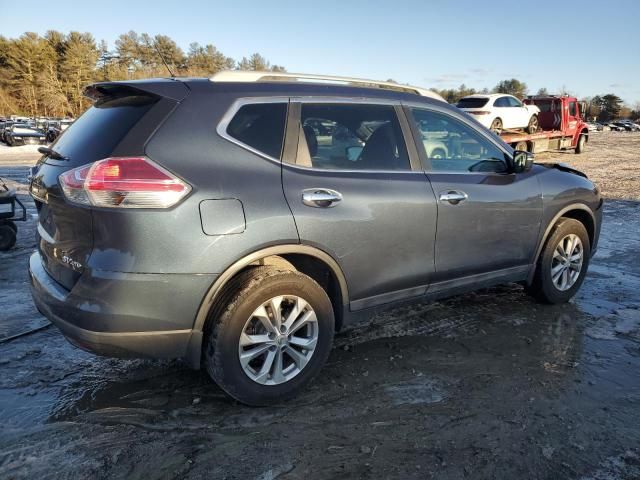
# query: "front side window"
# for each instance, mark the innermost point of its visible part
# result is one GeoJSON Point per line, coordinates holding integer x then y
{"type": "Point", "coordinates": [260, 126]}
{"type": "Point", "coordinates": [514, 102]}
{"type": "Point", "coordinates": [452, 146]}
{"type": "Point", "coordinates": [351, 137]}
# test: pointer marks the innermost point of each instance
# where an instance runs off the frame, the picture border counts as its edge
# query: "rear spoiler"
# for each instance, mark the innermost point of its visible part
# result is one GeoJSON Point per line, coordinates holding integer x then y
{"type": "Point", "coordinates": [166, 88]}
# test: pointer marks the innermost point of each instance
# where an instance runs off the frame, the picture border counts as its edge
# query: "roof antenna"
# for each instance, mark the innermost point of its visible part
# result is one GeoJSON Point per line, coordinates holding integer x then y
{"type": "Point", "coordinates": [155, 46]}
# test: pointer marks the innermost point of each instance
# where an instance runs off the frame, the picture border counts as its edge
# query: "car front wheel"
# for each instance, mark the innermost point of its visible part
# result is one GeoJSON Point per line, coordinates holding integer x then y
{"type": "Point", "coordinates": [271, 337]}
{"type": "Point", "coordinates": [563, 263]}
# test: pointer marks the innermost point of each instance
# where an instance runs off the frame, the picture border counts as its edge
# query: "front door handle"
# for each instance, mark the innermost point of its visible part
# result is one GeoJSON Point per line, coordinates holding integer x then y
{"type": "Point", "coordinates": [454, 197]}
{"type": "Point", "coordinates": [320, 197]}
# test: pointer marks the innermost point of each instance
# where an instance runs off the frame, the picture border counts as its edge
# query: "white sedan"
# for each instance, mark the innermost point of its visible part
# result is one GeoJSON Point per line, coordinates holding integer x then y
{"type": "Point", "coordinates": [501, 112]}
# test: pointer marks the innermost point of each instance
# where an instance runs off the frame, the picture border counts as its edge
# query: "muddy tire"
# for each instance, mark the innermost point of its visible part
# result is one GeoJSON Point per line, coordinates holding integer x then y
{"type": "Point", "coordinates": [533, 124]}
{"type": "Point", "coordinates": [582, 143]}
{"type": "Point", "coordinates": [7, 238]}
{"type": "Point", "coordinates": [496, 126]}
{"type": "Point", "coordinates": [522, 146]}
{"type": "Point", "coordinates": [563, 263]}
{"type": "Point", "coordinates": [270, 336]}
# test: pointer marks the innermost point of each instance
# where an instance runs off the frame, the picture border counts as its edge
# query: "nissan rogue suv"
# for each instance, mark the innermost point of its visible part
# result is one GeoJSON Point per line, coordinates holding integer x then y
{"type": "Point", "coordinates": [237, 222]}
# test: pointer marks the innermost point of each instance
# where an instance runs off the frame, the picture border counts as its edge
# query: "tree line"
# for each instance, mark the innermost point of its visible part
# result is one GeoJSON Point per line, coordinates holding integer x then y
{"type": "Point", "coordinates": [604, 107]}
{"type": "Point", "coordinates": [46, 75]}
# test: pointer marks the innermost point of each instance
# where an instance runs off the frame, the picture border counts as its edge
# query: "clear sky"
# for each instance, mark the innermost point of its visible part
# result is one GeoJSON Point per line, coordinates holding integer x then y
{"type": "Point", "coordinates": [588, 46]}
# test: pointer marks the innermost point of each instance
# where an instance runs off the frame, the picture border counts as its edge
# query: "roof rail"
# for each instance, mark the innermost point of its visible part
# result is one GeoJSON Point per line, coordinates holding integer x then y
{"type": "Point", "coordinates": [257, 76]}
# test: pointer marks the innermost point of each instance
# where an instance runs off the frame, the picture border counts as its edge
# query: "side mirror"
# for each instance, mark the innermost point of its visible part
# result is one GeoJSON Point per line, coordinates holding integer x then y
{"type": "Point", "coordinates": [522, 161]}
{"type": "Point", "coordinates": [353, 152]}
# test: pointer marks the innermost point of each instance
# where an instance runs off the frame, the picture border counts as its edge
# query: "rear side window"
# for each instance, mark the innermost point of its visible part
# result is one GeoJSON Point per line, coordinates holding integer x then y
{"type": "Point", "coordinates": [472, 102]}
{"type": "Point", "coordinates": [572, 109]}
{"type": "Point", "coordinates": [351, 137]}
{"type": "Point", "coordinates": [100, 129]}
{"type": "Point", "coordinates": [502, 102]}
{"type": "Point", "coordinates": [260, 126]}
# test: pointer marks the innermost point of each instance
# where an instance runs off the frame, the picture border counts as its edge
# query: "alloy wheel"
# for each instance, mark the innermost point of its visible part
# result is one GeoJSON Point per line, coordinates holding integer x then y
{"type": "Point", "coordinates": [566, 263]}
{"type": "Point", "coordinates": [278, 340]}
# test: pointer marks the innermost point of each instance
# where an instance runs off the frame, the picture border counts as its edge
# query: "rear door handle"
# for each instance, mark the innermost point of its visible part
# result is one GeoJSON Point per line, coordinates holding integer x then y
{"type": "Point", "coordinates": [454, 197]}
{"type": "Point", "coordinates": [320, 197]}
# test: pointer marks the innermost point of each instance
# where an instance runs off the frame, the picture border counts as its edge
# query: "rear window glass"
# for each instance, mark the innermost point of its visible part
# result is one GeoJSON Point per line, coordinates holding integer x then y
{"type": "Point", "coordinates": [100, 129]}
{"type": "Point", "coordinates": [260, 126]}
{"type": "Point", "coordinates": [472, 102]}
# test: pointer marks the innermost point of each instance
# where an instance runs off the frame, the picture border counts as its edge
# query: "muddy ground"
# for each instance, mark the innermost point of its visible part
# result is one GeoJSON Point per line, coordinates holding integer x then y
{"type": "Point", "coordinates": [486, 385]}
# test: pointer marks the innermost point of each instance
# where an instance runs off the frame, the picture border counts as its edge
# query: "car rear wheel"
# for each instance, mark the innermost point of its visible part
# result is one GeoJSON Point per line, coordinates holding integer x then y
{"type": "Point", "coordinates": [496, 126]}
{"type": "Point", "coordinates": [272, 336]}
{"type": "Point", "coordinates": [563, 263]}
{"type": "Point", "coordinates": [533, 124]}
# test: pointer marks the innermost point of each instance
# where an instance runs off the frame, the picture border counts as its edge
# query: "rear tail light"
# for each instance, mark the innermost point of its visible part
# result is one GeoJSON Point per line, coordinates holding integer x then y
{"type": "Point", "coordinates": [123, 182]}
{"type": "Point", "coordinates": [478, 112]}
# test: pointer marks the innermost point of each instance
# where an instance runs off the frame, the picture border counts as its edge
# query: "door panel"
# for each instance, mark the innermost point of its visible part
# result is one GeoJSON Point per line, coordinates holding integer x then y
{"type": "Point", "coordinates": [496, 227]}
{"type": "Point", "coordinates": [505, 112]}
{"type": "Point", "coordinates": [488, 219]}
{"type": "Point", "coordinates": [379, 225]}
{"type": "Point", "coordinates": [571, 112]}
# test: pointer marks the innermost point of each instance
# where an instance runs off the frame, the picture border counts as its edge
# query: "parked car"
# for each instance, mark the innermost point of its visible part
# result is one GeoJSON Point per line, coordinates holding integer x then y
{"type": "Point", "coordinates": [604, 126]}
{"type": "Point", "coordinates": [204, 219]}
{"type": "Point", "coordinates": [55, 128]}
{"type": "Point", "coordinates": [499, 112]}
{"type": "Point", "coordinates": [594, 127]}
{"type": "Point", "coordinates": [23, 134]}
{"type": "Point", "coordinates": [627, 125]}
{"type": "Point", "coordinates": [615, 127]}
{"type": "Point", "coordinates": [4, 128]}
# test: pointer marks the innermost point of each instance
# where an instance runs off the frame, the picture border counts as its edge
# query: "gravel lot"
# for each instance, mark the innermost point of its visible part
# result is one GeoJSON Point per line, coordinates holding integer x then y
{"type": "Point", "coordinates": [486, 385]}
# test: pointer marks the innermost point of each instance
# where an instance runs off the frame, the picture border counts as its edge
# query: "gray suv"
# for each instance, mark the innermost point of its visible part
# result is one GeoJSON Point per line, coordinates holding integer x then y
{"type": "Point", "coordinates": [238, 222]}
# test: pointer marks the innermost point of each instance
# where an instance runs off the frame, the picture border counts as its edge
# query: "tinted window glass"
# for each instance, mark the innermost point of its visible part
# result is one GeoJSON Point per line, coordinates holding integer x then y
{"type": "Point", "coordinates": [472, 102]}
{"type": "Point", "coordinates": [544, 106]}
{"type": "Point", "coordinates": [501, 102]}
{"type": "Point", "coordinates": [572, 109]}
{"type": "Point", "coordinates": [514, 102]}
{"type": "Point", "coordinates": [351, 137]}
{"type": "Point", "coordinates": [260, 126]}
{"type": "Point", "coordinates": [452, 146]}
{"type": "Point", "coordinates": [98, 131]}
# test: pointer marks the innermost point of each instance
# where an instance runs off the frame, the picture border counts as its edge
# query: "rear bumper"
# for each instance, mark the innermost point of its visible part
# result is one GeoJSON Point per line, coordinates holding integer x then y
{"type": "Point", "coordinates": [123, 315]}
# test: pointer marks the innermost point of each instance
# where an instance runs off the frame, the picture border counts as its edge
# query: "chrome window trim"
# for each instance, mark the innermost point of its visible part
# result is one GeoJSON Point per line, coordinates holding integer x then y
{"type": "Point", "coordinates": [348, 100]}
{"type": "Point", "coordinates": [339, 170]}
{"type": "Point", "coordinates": [237, 104]}
{"type": "Point", "coordinates": [221, 129]}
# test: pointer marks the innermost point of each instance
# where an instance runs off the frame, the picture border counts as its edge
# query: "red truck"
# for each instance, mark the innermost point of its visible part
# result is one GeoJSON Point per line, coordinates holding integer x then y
{"type": "Point", "coordinates": [561, 126]}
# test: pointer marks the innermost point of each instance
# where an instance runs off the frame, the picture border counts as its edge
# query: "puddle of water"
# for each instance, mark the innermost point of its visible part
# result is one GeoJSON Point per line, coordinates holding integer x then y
{"type": "Point", "coordinates": [423, 390]}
